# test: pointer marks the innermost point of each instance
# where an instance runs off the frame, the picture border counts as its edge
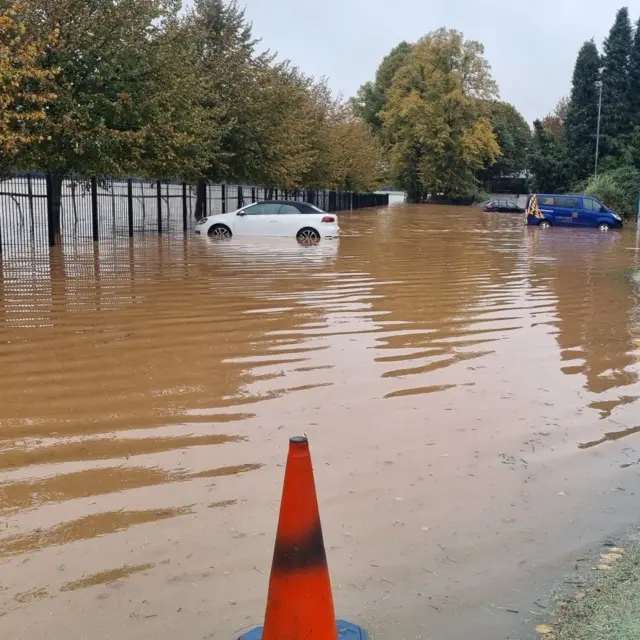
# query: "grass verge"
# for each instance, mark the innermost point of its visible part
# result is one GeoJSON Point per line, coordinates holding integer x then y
{"type": "Point", "coordinates": [606, 605]}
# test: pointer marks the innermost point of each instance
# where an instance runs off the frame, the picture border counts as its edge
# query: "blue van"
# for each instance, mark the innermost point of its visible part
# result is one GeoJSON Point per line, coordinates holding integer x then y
{"type": "Point", "coordinates": [569, 210]}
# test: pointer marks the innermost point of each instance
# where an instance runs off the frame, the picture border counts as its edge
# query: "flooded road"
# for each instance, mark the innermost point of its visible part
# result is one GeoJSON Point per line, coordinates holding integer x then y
{"type": "Point", "coordinates": [469, 386]}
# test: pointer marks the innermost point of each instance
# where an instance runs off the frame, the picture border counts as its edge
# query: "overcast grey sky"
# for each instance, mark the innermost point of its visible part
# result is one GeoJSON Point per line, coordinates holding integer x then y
{"type": "Point", "coordinates": [531, 46]}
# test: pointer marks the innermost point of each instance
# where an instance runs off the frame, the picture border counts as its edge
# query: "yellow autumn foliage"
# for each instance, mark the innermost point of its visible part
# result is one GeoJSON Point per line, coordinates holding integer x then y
{"type": "Point", "coordinates": [24, 84]}
{"type": "Point", "coordinates": [434, 123]}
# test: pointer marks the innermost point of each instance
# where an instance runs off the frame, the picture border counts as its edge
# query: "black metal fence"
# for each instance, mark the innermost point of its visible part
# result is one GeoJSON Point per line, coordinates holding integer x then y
{"type": "Point", "coordinates": [39, 211]}
{"type": "Point", "coordinates": [507, 185]}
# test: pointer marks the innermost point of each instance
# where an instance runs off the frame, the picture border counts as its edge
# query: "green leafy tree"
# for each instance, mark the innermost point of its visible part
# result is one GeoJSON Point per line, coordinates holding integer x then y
{"type": "Point", "coordinates": [371, 98]}
{"type": "Point", "coordinates": [124, 100]}
{"type": "Point", "coordinates": [582, 113]}
{"type": "Point", "coordinates": [434, 123]}
{"type": "Point", "coordinates": [548, 161]}
{"type": "Point", "coordinates": [513, 135]}
{"type": "Point", "coordinates": [347, 155]}
{"type": "Point", "coordinates": [282, 124]}
{"type": "Point", "coordinates": [231, 77]}
{"type": "Point", "coordinates": [357, 154]}
{"type": "Point", "coordinates": [277, 126]}
{"type": "Point", "coordinates": [615, 77]}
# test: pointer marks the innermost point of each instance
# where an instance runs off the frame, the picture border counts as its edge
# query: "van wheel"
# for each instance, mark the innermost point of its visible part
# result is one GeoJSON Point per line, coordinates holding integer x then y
{"type": "Point", "coordinates": [603, 226]}
{"type": "Point", "coordinates": [219, 231]}
{"type": "Point", "coordinates": [544, 224]}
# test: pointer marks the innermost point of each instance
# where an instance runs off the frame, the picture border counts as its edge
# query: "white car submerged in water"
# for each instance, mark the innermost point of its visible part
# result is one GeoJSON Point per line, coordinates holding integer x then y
{"type": "Point", "coordinates": [282, 218]}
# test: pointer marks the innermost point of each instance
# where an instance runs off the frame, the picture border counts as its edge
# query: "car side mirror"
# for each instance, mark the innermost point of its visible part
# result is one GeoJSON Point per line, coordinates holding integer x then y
{"type": "Point", "coordinates": [241, 213]}
{"type": "Point", "coordinates": [603, 209]}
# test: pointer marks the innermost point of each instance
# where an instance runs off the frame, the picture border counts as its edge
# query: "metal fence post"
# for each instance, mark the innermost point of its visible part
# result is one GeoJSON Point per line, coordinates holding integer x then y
{"type": "Point", "coordinates": [94, 208]}
{"type": "Point", "coordinates": [56, 199]}
{"type": "Point", "coordinates": [130, 206]}
{"type": "Point", "coordinates": [253, 194]}
{"type": "Point", "coordinates": [240, 198]}
{"type": "Point", "coordinates": [159, 202]}
{"type": "Point", "coordinates": [50, 223]}
{"type": "Point", "coordinates": [224, 198]}
{"type": "Point", "coordinates": [201, 199]}
{"type": "Point", "coordinates": [185, 210]}
{"type": "Point", "coordinates": [30, 195]}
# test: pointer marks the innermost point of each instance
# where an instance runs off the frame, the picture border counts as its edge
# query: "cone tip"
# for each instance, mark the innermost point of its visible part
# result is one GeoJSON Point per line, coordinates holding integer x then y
{"type": "Point", "coordinates": [299, 440]}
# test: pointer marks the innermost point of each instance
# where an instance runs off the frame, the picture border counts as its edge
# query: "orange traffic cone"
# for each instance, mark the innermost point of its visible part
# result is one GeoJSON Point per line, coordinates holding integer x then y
{"type": "Point", "coordinates": [300, 604]}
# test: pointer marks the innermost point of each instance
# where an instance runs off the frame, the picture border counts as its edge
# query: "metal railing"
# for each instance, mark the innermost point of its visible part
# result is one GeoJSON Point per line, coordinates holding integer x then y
{"type": "Point", "coordinates": [42, 211]}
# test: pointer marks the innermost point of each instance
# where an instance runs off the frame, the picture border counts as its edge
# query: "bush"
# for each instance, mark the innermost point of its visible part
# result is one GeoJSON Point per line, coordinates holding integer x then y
{"type": "Point", "coordinates": [481, 196]}
{"type": "Point", "coordinates": [618, 189]}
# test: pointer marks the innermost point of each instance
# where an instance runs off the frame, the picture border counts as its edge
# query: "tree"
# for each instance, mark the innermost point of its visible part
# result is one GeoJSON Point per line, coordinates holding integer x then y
{"type": "Point", "coordinates": [281, 123]}
{"type": "Point", "coordinates": [582, 113]}
{"type": "Point", "coordinates": [371, 98]}
{"type": "Point", "coordinates": [633, 88]}
{"type": "Point", "coordinates": [615, 78]}
{"type": "Point", "coordinates": [125, 101]}
{"type": "Point", "coordinates": [554, 122]}
{"type": "Point", "coordinates": [434, 123]}
{"type": "Point", "coordinates": [144, 89]}
{"type": "Point", "coordinates": [231, 75]}
{"type": "Point", "coordinates": [513, 135]}
{"type": "Point", "coordinates": [353, 156]}
{"type": "Point", "coordinates": [25, 86]}
{"type": "Point", "coordinates": [277, 126]}
{"type": "Point", "coordinates": [548, 161]}
{"type": "Point", "coordinates": [358, 156]}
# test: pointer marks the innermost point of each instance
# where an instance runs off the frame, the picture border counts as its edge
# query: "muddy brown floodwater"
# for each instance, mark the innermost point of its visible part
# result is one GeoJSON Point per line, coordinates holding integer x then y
{"type": "Point", "coordinates": [470, 388]}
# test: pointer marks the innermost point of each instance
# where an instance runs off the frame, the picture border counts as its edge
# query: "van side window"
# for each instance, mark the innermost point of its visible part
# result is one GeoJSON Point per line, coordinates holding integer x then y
{"type": "Point", "coordinates": [546, 201]}
{"type": "Point", "coordinates": [590, 205]}
{"type": "Point", "coordinates": [568, 202]}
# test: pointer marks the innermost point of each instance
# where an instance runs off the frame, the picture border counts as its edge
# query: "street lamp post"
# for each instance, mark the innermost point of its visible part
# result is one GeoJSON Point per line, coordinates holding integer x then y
{"type": "Point", "coordinates": [598, 85]}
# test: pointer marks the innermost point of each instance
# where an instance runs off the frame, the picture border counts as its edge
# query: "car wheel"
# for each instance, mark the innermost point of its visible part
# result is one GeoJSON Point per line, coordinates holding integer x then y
{"type": "Point", "coordinates": [544, 224]}
{"type": "Point", "coordinates": [603, 226]}
{"type": "Point", "coordinates": [308, 236]}
{"type": "Point", "coordinates": [219, 231]}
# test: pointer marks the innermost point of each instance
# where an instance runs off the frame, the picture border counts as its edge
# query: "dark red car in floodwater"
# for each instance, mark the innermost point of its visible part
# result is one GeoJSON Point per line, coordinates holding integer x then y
{"type": "Point", "coordinates": [503, 206]}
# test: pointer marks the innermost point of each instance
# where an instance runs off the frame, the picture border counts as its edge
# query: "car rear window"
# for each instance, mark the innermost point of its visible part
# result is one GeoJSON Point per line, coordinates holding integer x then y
{"type": "Point", "coordinates": [307, 208]}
